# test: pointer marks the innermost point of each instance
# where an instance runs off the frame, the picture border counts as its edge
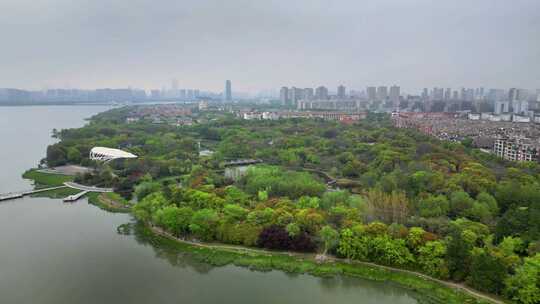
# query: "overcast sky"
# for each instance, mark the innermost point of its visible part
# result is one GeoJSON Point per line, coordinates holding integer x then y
{"type": "Point", "coordinates": [264, 44]}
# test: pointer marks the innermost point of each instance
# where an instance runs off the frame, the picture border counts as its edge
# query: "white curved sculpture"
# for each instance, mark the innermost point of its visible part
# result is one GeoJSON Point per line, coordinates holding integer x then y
{"type": "Point", "coordinates": [108, 154]}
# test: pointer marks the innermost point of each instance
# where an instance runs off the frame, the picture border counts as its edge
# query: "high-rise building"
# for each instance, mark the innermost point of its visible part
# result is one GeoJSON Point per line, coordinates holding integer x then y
{"type": "Point", "coordinates": [228, 90]}
{"type": "Point", "coordinates": [395, 92]}
{"type": "Point", "coordinates": [501, 107]}
{"type": "Point", "coordinates": [512, 94]}
{"type": "Point", "coordinates": [515, 95]}
{"type": "Point", "coordinates": [295, 95]}
{"type": "Point", "coordinates": [463, 94]}
{"type": "Point", "coordinates": [481, 93]}
{"type": "Point", "coordinates": [448, 94]}
{"type": "Point", "coordinates": [174, 88]}
{"type": "Point", "coordinates": [382, 93]}
{"type": "Point", "coordinates": [455, 95]}
{"type": "Point", "coordinates": [425, 94]}
{"type": "Point", "coordinates": [321, 93]}
{"type": "Point", "coordinates": [469, 95]}
{"type": "Point", "coordinates": [155, 94]}
{"type": "Point", "coordinates": [371, 93]}
{"type": "Point", "coordinates": [341, 92]}
{"type": "Point", "coordinates": [522, 94]}
{"type": "Point", "coordinates": [309, 93]}
{"type": "Point", "coordinates": [284, 95]}
{"type": "Point", "coordinates": [520, 106]}
{"type": "Point", "coordinates": [496, 95]}
{"type": "Point", "coordinates": [437, 93]}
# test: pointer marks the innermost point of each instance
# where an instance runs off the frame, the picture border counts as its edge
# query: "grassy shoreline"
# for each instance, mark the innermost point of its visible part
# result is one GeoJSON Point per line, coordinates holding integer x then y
{"type": "Point", "coordinates": [46, 180]}
{"type": "Point", "coordinates": [99, 200]}
{"type": "Point", "coordinates": [111, 203]}
{"type": "Point", "coordinates": [42, 179]}
{"type": "Point", "coordinates": [429, 290]}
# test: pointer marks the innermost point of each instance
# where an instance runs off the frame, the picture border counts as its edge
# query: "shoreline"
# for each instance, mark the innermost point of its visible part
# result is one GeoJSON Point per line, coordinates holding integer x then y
{"type": "Point", "coordinates": [261, 259]}
{"type": "Point", "coordinates": [107, 204]}
{"type": "Point", "coordinates": [410, 280]}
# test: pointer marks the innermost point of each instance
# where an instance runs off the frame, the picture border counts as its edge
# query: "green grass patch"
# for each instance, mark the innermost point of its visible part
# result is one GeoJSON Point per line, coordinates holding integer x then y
{"type": "Point", "coordinates": [57, 193]}
{"type": "Point", "coordinates": [94, 199]}
{"type": "Point", "coordinates": [118, 199]}
{"type": "Point", "coordinates": [46, 179]}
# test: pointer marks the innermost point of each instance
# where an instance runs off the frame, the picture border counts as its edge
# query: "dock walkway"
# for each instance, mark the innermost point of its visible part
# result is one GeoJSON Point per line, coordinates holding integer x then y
{"type": "Point", "coordinates": [75, 197]}
{"type": "Point", "coordinates": [10, 196]}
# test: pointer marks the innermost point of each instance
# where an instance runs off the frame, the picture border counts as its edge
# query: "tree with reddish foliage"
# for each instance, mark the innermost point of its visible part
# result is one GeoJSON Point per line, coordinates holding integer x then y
{"type": "Point", "coordinates": [274, 237]}
{"type": "Point", "coordinates": [277, 237]}
{"type": "Point", "coordinates": [303, 242]}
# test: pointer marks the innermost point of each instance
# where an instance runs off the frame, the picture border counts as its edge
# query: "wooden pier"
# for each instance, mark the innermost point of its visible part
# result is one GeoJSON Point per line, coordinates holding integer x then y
{"type": "Point", "coordinates": [75, 197]}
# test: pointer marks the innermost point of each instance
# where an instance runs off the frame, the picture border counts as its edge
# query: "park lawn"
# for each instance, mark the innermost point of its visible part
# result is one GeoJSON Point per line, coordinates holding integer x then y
{"type": "Point", "coordinates": [57, 193]}
{"type": "Point", "coordinates": [46, 179]}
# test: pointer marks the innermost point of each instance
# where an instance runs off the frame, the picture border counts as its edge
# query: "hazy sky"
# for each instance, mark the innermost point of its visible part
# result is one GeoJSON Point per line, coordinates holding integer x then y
{"type": "Point", "coordinates": [265, 44]}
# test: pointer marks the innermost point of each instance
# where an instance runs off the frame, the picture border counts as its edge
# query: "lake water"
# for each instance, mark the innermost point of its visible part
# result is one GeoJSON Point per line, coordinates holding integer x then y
{"type": "Point", "coordinates": [51, 252]}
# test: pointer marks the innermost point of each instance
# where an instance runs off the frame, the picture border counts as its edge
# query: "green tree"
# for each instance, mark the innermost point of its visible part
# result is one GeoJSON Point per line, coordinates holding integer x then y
{"type": "Point", "coordinates": [460, 201]}
{"type": "Point", "coordinates": [308, 202]}
{"type": "Point", "coordinates": [387, 251]}
{"type": "Point", "coordinates": [488, 200]}
{"type": "Point", "coordinates": [458, 256]}
{"type": "Point", "coordinates": [524, 285]}
{"type": "Point", "coordinates": [433, 206]}
{"type": "Point", "coordinates": [415, 238]}
{"type": "Point", "coordinates": [145, 188]}
{"type": "Point", "coordinates": [293, 229]}
{"type": "Point", "coordinates": [487, 272]}
{"type": "Point", "coordinates": [74, 155]}
{"type": "Point", "coordinates": [234, 213]}
{"type": "Point", "coordinates": [330, 238]}
{"type": "Point", "coordinates": [203, 224]}
{"type": "Point", "coordinates": [431, 259]}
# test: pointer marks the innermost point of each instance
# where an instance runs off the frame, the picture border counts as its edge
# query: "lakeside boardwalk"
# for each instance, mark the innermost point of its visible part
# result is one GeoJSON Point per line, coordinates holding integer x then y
{"type": "Point", "coordinates": [10, 196]}
{"type": "Point", "coordinates": [84, 190]}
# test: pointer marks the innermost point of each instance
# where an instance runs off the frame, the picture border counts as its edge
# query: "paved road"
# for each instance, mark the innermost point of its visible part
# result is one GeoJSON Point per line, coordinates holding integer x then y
{"type": "Point", "coordinates": [87, 188]}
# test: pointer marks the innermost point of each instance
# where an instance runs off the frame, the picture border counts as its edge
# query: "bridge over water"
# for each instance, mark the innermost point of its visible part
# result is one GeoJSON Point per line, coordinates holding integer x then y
{"type": "Point", "coordinates": [10, 196]}
{"type": "Point", "coordinates": [84, 190]}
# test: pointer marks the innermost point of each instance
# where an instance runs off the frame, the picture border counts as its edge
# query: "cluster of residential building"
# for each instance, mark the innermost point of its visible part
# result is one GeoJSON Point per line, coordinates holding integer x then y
{"type": "Point", "coordinates": [321, 99]}
{"type": "Point", "coordinates": [517, 149]}
{"type": "Point", "coordinates": [506, 138]}
{"type": "Point", "coordinates": [344, 117]}
{"type": "Point", "coordinates": [168, 113]}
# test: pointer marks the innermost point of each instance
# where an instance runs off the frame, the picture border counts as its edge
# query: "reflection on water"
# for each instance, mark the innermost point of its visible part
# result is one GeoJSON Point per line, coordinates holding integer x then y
{"type": "Point", "coordinates": [182, 259]}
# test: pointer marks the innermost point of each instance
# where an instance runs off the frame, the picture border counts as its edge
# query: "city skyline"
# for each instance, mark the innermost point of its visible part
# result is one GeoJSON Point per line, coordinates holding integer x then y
{"type": "Point", "coordinates": [415, 44]}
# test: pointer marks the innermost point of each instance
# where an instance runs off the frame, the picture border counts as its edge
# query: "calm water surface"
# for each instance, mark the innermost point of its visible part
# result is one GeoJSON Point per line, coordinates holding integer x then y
{"type": "Point", "coordinates": [51, 252]}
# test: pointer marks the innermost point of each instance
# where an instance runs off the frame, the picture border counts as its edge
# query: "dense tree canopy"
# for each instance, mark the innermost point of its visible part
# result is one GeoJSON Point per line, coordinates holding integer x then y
{"type": "Point", "coordinates": [364, 191]}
